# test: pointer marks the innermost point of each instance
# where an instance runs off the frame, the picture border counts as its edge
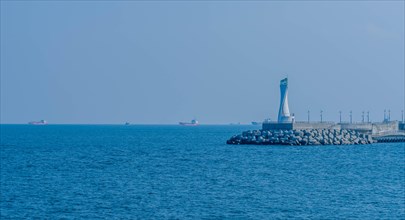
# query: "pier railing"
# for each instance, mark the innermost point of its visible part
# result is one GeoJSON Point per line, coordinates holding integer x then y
{"type": "Point", "coordinates": [314, 122]}
{"type": "Point", "coordinates": [389, 133]}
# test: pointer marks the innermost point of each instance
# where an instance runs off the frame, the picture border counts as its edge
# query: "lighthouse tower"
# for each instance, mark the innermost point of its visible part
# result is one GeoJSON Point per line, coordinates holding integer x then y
{"type": "Point", "coordinates": [284, 112]}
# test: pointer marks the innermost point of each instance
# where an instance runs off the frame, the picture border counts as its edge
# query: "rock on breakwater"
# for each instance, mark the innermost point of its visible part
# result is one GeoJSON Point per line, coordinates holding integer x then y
{"type": "Point", "coordinates": [302, 137]}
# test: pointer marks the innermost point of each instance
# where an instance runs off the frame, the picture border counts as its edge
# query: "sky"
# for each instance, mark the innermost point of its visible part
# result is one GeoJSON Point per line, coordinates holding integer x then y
{"type": "Point", "coordinates": [161, 62]}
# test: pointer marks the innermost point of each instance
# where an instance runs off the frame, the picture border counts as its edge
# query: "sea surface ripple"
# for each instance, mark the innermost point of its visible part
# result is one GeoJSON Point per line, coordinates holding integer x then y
{"type": "Point", "coordinates": [174, 172]}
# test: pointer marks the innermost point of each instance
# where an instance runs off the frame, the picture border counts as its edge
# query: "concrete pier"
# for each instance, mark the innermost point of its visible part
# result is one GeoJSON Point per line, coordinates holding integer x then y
{"type": "Point", "coordinates": [326, 133]}
{"type": "Point", "coordinates": [369, 128]}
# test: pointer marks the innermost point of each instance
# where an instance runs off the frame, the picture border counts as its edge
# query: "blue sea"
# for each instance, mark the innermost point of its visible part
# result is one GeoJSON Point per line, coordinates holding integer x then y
{"type": "Point", "coordinates": [175, 172]}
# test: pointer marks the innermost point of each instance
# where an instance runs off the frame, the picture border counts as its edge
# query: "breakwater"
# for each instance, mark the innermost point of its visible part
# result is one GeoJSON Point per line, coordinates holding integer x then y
{"type": "Point", "coordinates": [302, 137]}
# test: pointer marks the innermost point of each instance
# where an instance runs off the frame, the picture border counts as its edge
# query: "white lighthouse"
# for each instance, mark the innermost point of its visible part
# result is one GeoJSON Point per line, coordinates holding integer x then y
{"type": "Point", "coordinates": [284, 112]}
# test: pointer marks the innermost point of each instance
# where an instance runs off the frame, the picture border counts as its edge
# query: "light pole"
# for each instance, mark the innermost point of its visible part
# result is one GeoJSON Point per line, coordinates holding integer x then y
{"type": "Point", "coordinates": [308, 115]}
{"type": "Point", "coordinates": [340, 117]}
{"type": "Point", "coordinates": [321, 115]}
{"type": "Point", "coordinates": [362, 116]}
{"type": "Point", "coordinates": [389, 115]}
{"type": "Point", "coordinates": [385, 115]}
{"type": "Point", "coordinates": [351, 118]}
{"type": "Point", "coordinates": [368, 116]}
{"type": "Point", "coordinates": [402, 116]}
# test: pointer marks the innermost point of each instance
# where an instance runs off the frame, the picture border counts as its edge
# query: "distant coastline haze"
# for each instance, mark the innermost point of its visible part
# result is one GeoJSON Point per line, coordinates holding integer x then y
{"type": "Point", "coordinates": [105, 62]}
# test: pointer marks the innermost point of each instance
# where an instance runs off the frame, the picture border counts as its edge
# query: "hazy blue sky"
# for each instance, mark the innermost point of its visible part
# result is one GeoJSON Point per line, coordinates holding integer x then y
{"type": "Point", "coordinates": [164, 62]}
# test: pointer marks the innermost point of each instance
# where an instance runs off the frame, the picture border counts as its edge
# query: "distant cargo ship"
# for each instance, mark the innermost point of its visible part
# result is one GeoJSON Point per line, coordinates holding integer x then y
{"type": "Point", "coordinates": [256, 123]}
{"type": "Point", "coordinates": [42, 122]}
{"type": "Point", "coordinates": [192, 123]}
{"type": "Point", "coordinates": [267, 120]}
